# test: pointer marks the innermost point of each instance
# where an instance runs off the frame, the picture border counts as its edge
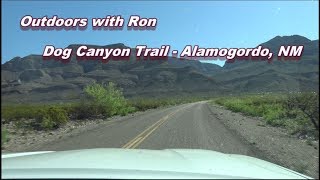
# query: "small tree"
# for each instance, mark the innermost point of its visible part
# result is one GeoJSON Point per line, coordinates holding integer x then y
{"type": "Point", "coordinates": [308, 104]}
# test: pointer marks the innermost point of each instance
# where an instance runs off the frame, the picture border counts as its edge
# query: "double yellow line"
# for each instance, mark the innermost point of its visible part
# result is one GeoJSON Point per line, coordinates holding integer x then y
{"type": "Point", "coordinates": [144, 134]}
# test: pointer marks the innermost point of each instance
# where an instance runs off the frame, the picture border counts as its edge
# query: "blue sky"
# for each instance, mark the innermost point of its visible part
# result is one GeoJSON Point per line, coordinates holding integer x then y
{"type": "Point", "coordinates": [205, 23]}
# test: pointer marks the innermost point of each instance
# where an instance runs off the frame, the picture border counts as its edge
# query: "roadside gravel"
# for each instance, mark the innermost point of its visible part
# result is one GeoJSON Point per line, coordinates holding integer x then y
{"type": "Point", "coordinates": [279, 146]}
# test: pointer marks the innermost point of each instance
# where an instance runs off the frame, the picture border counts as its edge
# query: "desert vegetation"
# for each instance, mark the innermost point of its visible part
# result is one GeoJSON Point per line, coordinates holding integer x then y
{"type": "Point", "coordinates": [98, 101]}
{"type": "Point", "coordinates": [296, 112]}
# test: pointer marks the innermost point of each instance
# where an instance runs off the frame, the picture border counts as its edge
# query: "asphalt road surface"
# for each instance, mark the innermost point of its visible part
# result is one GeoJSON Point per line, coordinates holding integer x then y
{"type": "Point", "coordinates": [190, 126]}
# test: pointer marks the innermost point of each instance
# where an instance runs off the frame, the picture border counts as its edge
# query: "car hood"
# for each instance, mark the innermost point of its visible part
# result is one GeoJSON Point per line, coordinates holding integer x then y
{"type": "Point", "coordinates": [139, 163]}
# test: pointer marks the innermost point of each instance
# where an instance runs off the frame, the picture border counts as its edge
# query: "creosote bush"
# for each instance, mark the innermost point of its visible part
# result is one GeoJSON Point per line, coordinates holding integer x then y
{"type": "Point", "coordinates": [51, 118]}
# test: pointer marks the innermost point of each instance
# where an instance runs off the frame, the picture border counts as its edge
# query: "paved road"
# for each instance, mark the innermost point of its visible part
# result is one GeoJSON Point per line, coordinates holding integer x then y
{"type": "Point", "coordinates": [185, 126]}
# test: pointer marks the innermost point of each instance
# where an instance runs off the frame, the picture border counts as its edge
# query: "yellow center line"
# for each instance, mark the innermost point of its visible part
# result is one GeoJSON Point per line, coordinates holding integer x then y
{"type": "Point", "coordinates": [142, 139]}
{"type": "Point", "coordinates": [134, 142]}
{"type": "Point", "coordinates": [147, 132]}
{"type": "Point", "coordinates": [134, 139]}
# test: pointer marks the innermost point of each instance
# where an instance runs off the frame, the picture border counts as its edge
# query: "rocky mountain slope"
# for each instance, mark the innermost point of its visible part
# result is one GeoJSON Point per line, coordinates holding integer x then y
{"type": "Point", "coordinates": [279, 76]}
{"type": "Point", "coordinates": [31, 79]}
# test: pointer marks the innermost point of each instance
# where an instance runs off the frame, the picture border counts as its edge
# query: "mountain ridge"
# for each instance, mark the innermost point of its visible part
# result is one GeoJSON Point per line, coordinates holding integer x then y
{"type": "Point", "coordinates": [32, 79]}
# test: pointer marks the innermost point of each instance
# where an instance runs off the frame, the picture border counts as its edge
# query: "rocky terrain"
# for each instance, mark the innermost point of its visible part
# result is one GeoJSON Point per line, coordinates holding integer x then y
{"type": "Point", "coordinates": [278, 76]}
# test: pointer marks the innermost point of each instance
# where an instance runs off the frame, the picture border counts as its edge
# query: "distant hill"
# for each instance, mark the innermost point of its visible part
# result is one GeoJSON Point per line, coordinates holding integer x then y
{"type": "Point", "coordinates": [31, 79]}
{"type": "Point", "coordinates": [278, 76]}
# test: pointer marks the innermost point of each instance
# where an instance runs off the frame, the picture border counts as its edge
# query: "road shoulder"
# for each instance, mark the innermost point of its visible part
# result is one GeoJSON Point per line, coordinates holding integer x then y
{"type": "Point", "coordinates": [279, 146]}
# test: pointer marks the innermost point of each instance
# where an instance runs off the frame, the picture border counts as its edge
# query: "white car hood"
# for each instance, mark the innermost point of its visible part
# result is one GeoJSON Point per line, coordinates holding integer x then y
{"type": "Point", "coordinates": [139, 163]}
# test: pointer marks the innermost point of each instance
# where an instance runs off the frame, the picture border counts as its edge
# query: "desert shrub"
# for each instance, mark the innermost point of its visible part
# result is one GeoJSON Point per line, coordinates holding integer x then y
{"type": "Point", "coordinates": [272, 111]}
{"type": "Point", "coordinates": [17, 112]}
{"type": "Point", "coordinates": [126, 110]}
{"type": "Point", "coordinates": [105, 100]}
{"type": "Point", "coordinates": [82, 110]}
{"type": "Point", "coordinates": [4, 136]}
{"type": "Point", "coordinates": [51, 118]}
{"type": "Point", "coordinates": [142, 104]}
{"type": "Point", "coordinates": [262, 106]}
{"type": "Point", "coordinates": [299, 112]}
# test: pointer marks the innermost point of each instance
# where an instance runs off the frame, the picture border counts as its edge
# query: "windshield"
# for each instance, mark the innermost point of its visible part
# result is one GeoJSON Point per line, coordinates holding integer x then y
{"type": "Point", "coordinates": [205, 81]}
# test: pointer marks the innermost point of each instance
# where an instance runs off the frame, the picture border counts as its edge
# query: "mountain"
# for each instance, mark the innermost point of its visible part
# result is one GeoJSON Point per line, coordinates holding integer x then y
{"type": "Point", "coordinates": [277, 76]}
{"type": "Point", "coordinates": [32, 79]}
